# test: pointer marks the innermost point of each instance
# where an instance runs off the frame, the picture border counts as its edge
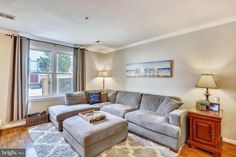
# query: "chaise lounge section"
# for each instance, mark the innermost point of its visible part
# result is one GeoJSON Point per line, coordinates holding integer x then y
{"type": "Point", "coordinates": [59, 113]}
{"type": "Point", "coordinates": [75, 102]}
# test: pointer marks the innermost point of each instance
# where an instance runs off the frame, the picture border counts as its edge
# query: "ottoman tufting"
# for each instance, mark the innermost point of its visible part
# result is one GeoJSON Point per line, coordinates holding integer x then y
{"type": "Point", "coordinates": [90, 139]}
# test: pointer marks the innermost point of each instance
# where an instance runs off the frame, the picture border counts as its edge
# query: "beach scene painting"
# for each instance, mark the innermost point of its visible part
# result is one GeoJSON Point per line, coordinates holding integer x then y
{"type": "Point", "coordinates": [150, 69]}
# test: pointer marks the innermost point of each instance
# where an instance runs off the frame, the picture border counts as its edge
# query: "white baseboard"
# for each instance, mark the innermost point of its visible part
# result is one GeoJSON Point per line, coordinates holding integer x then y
{"type": "Point", "coordinates": [229, 141]}
{"type": "Point", "coordinates": [13, 124]}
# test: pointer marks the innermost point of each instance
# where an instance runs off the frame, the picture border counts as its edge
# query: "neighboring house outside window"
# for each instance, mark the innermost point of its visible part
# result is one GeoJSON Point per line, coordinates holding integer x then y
{"type": "Point", "coordinates": [50, 70]}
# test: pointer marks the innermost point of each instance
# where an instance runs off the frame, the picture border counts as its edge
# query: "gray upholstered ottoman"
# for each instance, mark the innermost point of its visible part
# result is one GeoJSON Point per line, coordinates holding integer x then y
{"type": "Point", "coordinates": [90, 139]}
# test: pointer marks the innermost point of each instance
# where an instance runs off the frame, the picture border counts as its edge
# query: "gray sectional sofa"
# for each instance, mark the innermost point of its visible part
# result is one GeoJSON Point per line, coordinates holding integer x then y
{"type": "Point", "coordinates": [154, 117]}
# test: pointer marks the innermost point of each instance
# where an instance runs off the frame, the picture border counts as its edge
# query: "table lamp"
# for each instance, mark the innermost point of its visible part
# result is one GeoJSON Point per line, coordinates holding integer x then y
{"type": "Point", "coordinates": [207, 81]}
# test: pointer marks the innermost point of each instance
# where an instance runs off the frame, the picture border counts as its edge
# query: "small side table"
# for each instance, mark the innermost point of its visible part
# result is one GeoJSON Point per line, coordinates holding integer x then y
{"type": "Point", "coordinates": [205, 130]}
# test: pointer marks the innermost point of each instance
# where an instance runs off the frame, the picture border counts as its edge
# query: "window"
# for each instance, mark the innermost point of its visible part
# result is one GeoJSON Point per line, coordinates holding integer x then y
{"type": "Point", "coordinates": [50, 70]}
{"type": "Point", "coordinates": [64, 72]}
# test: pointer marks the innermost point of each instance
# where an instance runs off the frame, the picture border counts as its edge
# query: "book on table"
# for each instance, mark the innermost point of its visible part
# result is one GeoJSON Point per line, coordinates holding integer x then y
{"type": "Point", "coordinates": [92, 116]}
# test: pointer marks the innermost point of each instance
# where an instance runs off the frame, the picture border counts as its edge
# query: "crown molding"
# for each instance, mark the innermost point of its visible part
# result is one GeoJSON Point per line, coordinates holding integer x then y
{"type": "Point", "coordinates": [33, 37]}
{"type": "Point", "coordinates": [6, 31]}
{"type": "Point", "coordinates": [180, 32]}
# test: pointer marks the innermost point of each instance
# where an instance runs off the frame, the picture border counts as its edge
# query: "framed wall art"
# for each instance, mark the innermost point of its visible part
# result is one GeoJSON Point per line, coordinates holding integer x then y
{"type": "Point", "coordinates": [150, 69]}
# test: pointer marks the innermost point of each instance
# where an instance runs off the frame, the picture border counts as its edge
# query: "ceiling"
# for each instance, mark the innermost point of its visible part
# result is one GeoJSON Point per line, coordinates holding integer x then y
{"type": "Point", "coordinates": [117, 23]}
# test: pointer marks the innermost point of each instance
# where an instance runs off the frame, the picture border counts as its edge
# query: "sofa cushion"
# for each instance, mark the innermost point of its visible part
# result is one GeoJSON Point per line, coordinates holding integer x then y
{"type": "Point", "coordinates": [73, 98]}
{"type": "Point", "coordinates": [61, 112]}
{"type": "Point", "coordinates": [167, 106]}
{"type": "Point", "coordinates": [111, 95]}
{"type": "Point", "coordinates": [129, 98]}
{"type": "Point", "coordinates": [151, 102]}
{"type": "Point", "coordinates": [99, 105]}
{"type": "Point", "coordinates": [153, 122]}
{"type": "Point", "coordinates": [94, 97]}
{"type": "Point", "coordinates": [118, 109]}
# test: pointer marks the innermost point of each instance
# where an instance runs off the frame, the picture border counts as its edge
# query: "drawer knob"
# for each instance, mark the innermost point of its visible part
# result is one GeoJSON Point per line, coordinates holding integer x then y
{"type": "Point", "coordinates": [213, 135]}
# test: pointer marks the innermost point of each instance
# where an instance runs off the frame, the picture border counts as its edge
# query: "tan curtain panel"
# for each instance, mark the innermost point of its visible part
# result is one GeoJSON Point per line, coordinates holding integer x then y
{"type": "Point", "coordinates": [17, 106]}
{"type": "Point", "coordinates": [79, 69]}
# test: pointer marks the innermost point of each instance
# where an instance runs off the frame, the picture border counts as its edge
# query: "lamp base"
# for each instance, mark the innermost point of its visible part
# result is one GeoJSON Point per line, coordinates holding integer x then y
{"type": "Point", "coordinates": [207, 94]}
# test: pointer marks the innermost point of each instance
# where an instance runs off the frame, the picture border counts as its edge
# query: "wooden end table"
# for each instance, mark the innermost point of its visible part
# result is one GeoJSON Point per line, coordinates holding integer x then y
{"type": "Point", "coordinates": [205, 130]}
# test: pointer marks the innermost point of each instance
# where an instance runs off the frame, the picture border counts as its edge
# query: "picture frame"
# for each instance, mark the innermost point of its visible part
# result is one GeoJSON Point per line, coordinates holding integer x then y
{"type": "Point", "coordinates": [214, 107]}
{"type": "Point", "coordinates": [153, 69]}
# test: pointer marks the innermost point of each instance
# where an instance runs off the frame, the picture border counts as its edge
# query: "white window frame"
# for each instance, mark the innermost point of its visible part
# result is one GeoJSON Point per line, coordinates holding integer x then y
{"type": "Point", "coordinates": [53, 72]}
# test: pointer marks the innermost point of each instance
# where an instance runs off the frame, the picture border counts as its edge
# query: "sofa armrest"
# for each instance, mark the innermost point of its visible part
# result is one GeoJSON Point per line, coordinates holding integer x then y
{"type": "Point", "coordinates": [178, 117]}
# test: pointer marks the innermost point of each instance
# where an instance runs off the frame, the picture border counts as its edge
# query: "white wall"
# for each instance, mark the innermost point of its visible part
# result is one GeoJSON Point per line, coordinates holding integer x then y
{"type": "Point", "coordinates": [5, 55]}
{"type": "Point", "coordinates": [94, 62]}
{"type": "Point", "coordinates": [208, 51]}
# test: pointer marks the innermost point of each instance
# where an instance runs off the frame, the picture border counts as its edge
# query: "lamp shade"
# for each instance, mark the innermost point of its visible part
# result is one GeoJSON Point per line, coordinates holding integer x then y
{"type": "Point", "coordinates": [206, 81]}
{"type": "Point", "coordinates": [104, 73]}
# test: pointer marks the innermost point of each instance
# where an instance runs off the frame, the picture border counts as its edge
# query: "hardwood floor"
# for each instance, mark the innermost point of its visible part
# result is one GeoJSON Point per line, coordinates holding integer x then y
{"type": "Point", "coordinates": [19, 138]}
{"type": "Point", "coordinates": [228, 150]}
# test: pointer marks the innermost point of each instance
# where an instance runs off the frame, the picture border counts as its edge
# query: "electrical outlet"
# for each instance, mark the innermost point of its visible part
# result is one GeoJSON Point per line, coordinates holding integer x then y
{"type": "Point", "coordinates": [0, 122]}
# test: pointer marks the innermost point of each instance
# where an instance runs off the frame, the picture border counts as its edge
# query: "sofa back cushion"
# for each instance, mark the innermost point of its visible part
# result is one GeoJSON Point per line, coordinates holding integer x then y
{"type": "Point", "coordinates": [151, 102]}
{"type": "Point", "coordinates": [167, 106]}
{"type": "Point", "coordinates": [111, 95]}
{"type": "Point", "coordinates": [128, 98]}
{"type": "Point", "coordinates": [73, 98]}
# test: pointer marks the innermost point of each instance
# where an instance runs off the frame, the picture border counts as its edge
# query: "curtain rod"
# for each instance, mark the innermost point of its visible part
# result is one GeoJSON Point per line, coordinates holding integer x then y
{"type": "Point", "coordinates": [9, 35]}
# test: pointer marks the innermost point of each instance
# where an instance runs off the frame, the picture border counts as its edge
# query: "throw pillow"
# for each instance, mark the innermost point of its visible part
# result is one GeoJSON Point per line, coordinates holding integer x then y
{"type": "Point", "coordinates": [167, 106]}
{"type": "Point", "coordinates": [73, 98]}
{"type": "Point", "coordinates": [104, 96]}
{"type": "Point", "coordinates": [94, 97]}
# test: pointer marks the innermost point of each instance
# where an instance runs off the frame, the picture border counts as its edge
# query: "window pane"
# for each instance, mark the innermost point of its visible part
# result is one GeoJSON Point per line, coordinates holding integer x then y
{"type": "Point", "coordinates": [64, 83]}
{"type": "Point", "coordinates": [40, 85]}
{"type": "Point", "coordinates": [64, 63]}
{"type": "Point", "coordinates": [40, 61]}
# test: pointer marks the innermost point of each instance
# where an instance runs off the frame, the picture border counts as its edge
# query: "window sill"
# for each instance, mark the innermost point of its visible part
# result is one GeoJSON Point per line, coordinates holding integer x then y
{"type": "Point", "coordinates": [46, 98]}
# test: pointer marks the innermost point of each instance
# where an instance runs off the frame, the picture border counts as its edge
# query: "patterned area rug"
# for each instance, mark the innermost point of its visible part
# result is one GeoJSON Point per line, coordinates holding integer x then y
{"type": "Point", "coordinates": [49, 142]}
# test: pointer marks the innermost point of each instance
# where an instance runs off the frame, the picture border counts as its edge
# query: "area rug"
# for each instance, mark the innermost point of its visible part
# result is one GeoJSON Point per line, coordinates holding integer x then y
{"type": "Point", "coordinates": [49, 142]}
